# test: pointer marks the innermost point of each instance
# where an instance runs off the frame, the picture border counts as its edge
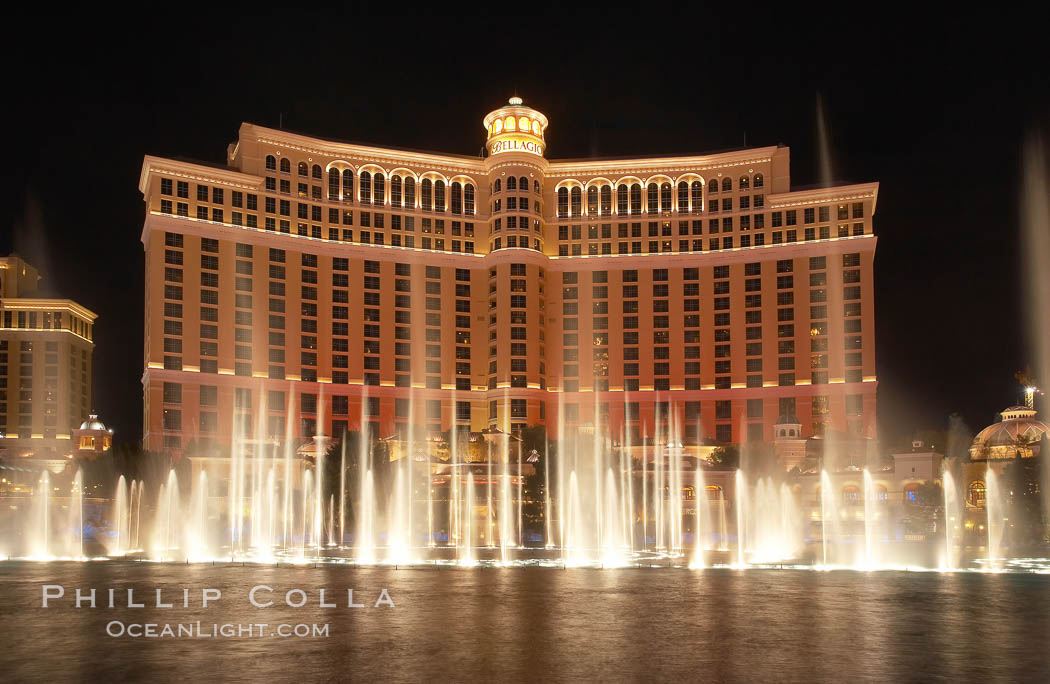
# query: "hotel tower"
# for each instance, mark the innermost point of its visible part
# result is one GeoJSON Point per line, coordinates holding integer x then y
{"type": "Point", "coordinates": [331, 283]}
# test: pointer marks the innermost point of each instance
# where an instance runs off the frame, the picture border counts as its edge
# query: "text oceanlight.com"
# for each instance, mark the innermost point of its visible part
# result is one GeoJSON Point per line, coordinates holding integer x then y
{"type": "Point", "coordinates": [199, 630]}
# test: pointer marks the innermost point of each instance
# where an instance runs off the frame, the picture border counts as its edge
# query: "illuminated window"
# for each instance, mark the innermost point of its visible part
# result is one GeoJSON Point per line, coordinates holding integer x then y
{"type": "Point", "coordinates": [510, 124]}
{"type": "Point", "coordinates": [410, 192]}
{"type": "Point", "coordinates": [523, 124]}
{"type": "Point", "coordinates": [379, 191]}
{"type": "Point", "coordinates": [851, 495]}
{"type": "Point", "coordinates": [456, 200]}
{"type": "Point", "coordinates": [536, 127]}
{"type": "Point", "coordinates": [497, 126]}
{"type": "Point", "coordinates": [348, 185]}
{"type": "Point", "coordinates": [425, 194]}
{"type": "Point", "coordinates": [977, 493]}
{"type": "Point", "coordinates": [468, 200]}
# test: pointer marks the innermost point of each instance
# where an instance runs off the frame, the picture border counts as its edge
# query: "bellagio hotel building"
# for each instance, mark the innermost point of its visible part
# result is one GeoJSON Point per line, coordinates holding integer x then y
{"type": "Point", "coordinates": [332, 283]}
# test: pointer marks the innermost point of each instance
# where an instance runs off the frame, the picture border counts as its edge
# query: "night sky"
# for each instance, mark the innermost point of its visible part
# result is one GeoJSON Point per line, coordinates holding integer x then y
{"type": "Point", "coordinates": [936, 112]}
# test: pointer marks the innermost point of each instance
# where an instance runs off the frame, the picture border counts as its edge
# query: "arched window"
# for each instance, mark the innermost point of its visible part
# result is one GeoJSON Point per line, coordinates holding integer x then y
{"type": "Point", "coordinates": [439, 195]}
{"type": "Point", "coordinates": [410, 192]}
{"type": "Point", "coordinates": [395, 191]}
{"type": "Point", "coordinates": [621, 200]}
{"type": "Point", "coordinates": [303, 169]}
{"type": "Point", "coordinates": [977, 493]}
{"type": "Point", "coordinates": [497, 186]}
{"type": "Point", "coordinates": [851, 495]}
{"type": "Point", "coordinates": [468, 199]}
{"type": "Point", "coordinates": [577, 201]}
{"type": "Point", "coordinates": [592, 200]}
{"type": "Point", "coordinates": [712, 185]}
{"type": "Point", "coordinates": [881, 495]}
{"type": "Point", "coordinates": [911, 493]}
{"type": "Point", "coordinates": [456, 199]}
{"type": "Point", "coordinates": [606, 200]}
{"type": "Point", "coordinates": [758, 180]}
{"type": "Point", "coordinates": [636, 198]}
{"type": "Point", "coordinates": [523, 184]}
{"type": "Point", "coordinates": [379, 185]}
{"type": "Point", "coordinates": [654, 198]}
{"type": "Point", "coordinates": [348, 185]}
{"type": "Point", "coordinates": [744, 183]}
{"type": "Point", "coordinates": [665, 197]}
{"type": "Point", "coordinates": [271, 162]}
{"type": "Point", "coordinates": [512, 183]}
{"type": "Point", "coordinates": [714, 492]}
{"type": "Point", "coordinates": [426, 194]}
{"type": "Point", "coordinates": [683, 197]}
{"type": "Point", "coordinates": [536, 186]}
{"type": "Point", "coordinates": [727, 185]}
{"type": "Point", "coordinates": [563, 202]}
{"type": "Point", "coordinates": [366, 187]}
{"type": "Point", "coordinates": [286, 166]}
{"type": "Point", "coordinates": [333, 184]}
{"type": "Point", "coordinates": [316, 172]}
{"type": "Point", "coordinates": [698, 196]}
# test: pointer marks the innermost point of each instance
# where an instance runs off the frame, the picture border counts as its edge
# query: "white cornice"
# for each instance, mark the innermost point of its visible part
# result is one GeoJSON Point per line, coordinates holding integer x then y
{"type": "Point", "coordinates": [623, 167]}
{"type": "Point", "coordinates": [195, 172]}
{"type": "Point", "coordinates": [375, 155]}
{"type": "Point", "coordinates": [840, 193]}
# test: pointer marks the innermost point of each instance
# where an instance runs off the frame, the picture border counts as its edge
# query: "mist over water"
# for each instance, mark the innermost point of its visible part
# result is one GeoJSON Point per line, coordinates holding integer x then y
{"type": "Point", "coordinates": [1035, 244]}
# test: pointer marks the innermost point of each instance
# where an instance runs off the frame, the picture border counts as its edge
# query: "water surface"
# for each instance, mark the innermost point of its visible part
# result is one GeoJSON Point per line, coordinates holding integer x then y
{"type": "Point", "coordinates": [528, 624]}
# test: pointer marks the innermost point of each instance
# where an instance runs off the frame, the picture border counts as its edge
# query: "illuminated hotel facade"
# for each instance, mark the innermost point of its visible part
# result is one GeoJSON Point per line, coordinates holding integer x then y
{"type": "Point", "coordinates": [338, 283]}
{"type": "Point", "coordinates": [46, 357]}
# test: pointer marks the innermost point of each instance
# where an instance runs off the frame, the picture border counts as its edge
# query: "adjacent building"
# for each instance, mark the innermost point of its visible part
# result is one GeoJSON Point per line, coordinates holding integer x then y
{"type": "Point", "coordinates": [341, 283]}
{"type": "Point", "coordinates": [45, 370]}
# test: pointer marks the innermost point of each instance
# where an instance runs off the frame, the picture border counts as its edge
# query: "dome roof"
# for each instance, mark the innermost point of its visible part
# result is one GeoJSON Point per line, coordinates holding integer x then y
{"type": "Point", "coordinates": [1018, 424]}
{"type": "Point", "coordinates": [93, 423]}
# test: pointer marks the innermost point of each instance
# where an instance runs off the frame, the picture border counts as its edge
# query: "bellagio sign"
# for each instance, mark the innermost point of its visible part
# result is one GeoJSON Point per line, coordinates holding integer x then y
{"type": "Point", "coordinates": [517, 145]}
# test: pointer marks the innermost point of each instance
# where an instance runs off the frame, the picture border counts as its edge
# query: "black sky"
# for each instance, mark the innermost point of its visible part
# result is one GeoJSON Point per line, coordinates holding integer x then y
{"type": "Point", "coordinates": [935, 110]}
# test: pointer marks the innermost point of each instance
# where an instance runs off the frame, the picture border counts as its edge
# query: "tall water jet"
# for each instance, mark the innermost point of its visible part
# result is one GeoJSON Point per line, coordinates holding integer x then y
{"type": "Point", "coordinates": [548, 539]}
{"type": "Point", "coordinates": [952, 519]}
{"type": "Point", "coordinates": [871, 541]}
{"type": "Point", "coordinates": [40, 519]}
{"type": "Point", "coordinates": [467, 554]}
{"type": "Point", "coordinates": [342, 491]}
{"type": "Point", "coordinates": [995, 511]}
{"type": "Point", "coordinates": [73, 533]}
{"type": "Point", "coordinates": [1035, 246]}
{"type": "Point", "coordinates": [826, 511]}
{"type": "Point", "coordinates": [741, 520]}
{"type": "Point", "coordinates": [121, 518]}
{"type": "Point", "coordinates": [701, 535]}
{"type": "Point", "coordinates": [823, 144]}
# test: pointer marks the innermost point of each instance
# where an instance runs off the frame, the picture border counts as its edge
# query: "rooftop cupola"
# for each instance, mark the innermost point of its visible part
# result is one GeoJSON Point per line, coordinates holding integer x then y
{"type": "Point", "coordinates": [515, 127]}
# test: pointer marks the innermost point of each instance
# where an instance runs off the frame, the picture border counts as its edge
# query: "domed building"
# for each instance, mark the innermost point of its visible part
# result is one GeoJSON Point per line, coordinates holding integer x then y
{"type": "Point", "coordinates": [1017, 435]}
{"type": "Point", "coordinates": [93, 438]}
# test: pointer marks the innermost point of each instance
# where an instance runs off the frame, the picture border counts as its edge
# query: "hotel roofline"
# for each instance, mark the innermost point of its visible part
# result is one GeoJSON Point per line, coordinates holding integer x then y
{"type": "Point", "coordinates": [464, 163]}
